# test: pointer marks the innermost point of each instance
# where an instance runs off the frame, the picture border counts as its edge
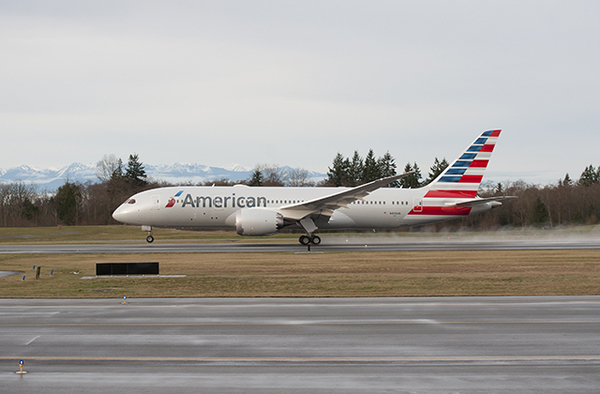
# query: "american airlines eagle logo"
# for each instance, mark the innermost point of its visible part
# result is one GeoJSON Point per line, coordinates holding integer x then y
{"type": "Point", "coordinates": [172, 199]}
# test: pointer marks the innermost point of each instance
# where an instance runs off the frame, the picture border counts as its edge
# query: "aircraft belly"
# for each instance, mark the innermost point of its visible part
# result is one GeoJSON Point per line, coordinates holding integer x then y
{"type": "Point", "coordinates": [189, 217]}
{"type": "Point", "coordinates": [338, 220]}
{"type": "Point", "coordinates": [365, 218]}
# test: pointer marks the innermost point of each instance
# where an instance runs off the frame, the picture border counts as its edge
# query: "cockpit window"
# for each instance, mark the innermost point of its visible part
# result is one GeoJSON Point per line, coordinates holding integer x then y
{"type": "Point", "coordinates": [132, 201]}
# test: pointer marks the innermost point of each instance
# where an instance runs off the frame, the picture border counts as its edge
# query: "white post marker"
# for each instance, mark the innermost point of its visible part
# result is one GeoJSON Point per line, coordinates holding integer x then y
{"type": "Point", "coordinates": [21, 372]}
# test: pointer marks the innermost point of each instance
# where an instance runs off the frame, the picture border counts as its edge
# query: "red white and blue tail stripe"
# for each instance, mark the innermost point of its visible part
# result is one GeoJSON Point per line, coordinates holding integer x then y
{"type": "Point", "coordinates": [451, 192]}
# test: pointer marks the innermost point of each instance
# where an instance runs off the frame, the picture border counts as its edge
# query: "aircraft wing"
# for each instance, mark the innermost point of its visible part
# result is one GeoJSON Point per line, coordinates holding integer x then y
{"type": "Point", "coordinates": [478, 201]}
{"type": "Point", "coordinates": [327, 204]}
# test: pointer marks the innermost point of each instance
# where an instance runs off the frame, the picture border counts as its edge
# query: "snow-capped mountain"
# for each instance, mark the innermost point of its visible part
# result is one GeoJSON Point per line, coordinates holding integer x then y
{"type": "Point", "coordinates": [51, 179]}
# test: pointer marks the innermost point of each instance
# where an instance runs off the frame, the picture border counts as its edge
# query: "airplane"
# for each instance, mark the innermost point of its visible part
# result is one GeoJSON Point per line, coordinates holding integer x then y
{"type": "Point", "coordinates": [257, 211]}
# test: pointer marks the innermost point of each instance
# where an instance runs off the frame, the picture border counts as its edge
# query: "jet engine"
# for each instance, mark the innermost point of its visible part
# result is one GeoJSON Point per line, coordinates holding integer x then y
{"type": "Point", "coordinates": [257, 221]}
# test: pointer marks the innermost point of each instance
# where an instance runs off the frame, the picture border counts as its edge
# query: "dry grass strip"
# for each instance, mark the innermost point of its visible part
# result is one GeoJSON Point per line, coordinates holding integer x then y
{"type": "Point", "coordinates": [357, 274]}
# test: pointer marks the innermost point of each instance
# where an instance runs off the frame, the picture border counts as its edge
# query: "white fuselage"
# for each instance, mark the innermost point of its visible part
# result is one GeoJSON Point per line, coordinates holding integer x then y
{"type": "Point", "coordinates": [216, 207]}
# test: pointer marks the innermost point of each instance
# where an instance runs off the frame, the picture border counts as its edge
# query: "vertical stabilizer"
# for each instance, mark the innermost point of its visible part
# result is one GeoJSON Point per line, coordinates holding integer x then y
{"type": "Point", "coordinates": [462, 178]}
{"type": "Point", "coordinates": [458, 183]}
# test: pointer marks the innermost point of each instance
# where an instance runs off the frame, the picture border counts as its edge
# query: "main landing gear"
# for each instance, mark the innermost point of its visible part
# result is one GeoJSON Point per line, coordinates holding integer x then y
{"type": "Point", "coordinates": [309, 226]}
{"type": "Point", "coordinates": [312, 239]}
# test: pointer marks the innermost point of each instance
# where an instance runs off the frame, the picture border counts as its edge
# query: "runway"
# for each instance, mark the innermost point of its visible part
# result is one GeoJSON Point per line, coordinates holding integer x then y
{"type": "Point", "coordinates": [470, 344]}
{"type": "Point", "coordinates": [335, 244]}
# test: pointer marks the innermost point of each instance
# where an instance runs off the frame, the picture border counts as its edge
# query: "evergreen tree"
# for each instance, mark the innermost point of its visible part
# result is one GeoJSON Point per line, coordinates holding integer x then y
{"type": "Point", "coordinates": [256, 179]}
{"type": "Point", "coordinates": [589, 176]}
{"type": "Point", "coordinates": [413, 180]}
{"type": "Point", "coordinates": [338, 172]}
{"type": "Point", "coordinates": [567, 182]}
{"type": "Point", "coordinates": [67, 198]}
{"type": "Point", "coordinates": [387, 167]}
{"type": "Point", "coordinates": [29, 210]}
{"type": "Point", "coordinates": [135, 173]}
{"type": "Point", "coordinates": [355, 171]}
{"type": "Point", "coordinates": [370, 170]}
{"type": "Point", "coordinates": [436, 169]}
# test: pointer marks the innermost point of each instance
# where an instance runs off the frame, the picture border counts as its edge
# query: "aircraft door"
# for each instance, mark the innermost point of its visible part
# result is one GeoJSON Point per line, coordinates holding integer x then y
{"type": "Point", "coordinates": [155, 203]}
{"type": "Point", "coordinates": [418, 205]}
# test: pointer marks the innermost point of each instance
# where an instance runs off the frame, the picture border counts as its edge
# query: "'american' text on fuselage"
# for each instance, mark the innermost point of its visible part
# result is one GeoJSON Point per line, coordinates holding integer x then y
{"type": "Point", "coordinates": [224, 201]}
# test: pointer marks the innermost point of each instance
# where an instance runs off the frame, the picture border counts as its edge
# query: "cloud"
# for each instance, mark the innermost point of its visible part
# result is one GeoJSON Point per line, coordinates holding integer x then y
{"type": "Point", "coordinates": [296, 82]}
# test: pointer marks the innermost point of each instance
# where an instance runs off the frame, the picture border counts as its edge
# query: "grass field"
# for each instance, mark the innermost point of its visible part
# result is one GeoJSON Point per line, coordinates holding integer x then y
{"type": "Point", "coordinates": [359, 274]}
{"type": "Point", "coordinates": [376, 274]}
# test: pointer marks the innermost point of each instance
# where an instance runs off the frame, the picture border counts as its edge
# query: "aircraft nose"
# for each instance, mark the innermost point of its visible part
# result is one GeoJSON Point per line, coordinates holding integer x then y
{"type": "Point", "coordinates": [126, 213]}
{"type": "Point", "coordinates": [119, 215]}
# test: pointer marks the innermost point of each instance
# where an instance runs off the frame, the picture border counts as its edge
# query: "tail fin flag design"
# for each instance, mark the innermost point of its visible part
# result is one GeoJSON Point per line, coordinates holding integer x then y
{"type": "Point", "coordinates": [460, 181]}
{"type": "Point", "coordinates": [462, 178]}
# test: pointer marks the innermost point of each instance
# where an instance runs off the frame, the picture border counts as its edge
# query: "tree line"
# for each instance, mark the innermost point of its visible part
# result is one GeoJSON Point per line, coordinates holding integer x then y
{"type": "Point", "coordinates": [355, 171]}
{"type": "Point", "coordinates": [74, 203]}
{"type": "Point", "coordinates": [565, 202]}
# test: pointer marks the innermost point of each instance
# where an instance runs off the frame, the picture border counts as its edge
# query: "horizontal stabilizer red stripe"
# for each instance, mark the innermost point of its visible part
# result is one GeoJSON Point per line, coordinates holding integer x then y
{"type": "Point", "coordinates": [487, 148]}
{"type": "Point", "coordinates": [471, 179]}
{"type": "Point", "coordinates": [479, 163]}
{"type": "Point", "coordinates": [442, 211]}
{"type": "Point", "coordinates": [451, 194]}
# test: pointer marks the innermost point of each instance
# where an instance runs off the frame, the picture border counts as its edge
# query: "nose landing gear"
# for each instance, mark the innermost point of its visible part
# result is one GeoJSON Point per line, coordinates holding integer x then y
{"type": "Point", "coordinates": [150, 237]}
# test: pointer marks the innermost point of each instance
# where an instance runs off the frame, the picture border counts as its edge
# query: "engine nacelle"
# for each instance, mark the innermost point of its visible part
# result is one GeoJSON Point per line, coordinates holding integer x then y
{"type": "Point", "coordinates": [257, 221]}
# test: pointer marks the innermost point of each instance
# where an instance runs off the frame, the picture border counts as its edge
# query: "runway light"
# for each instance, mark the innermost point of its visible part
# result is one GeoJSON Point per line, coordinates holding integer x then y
{"type": "Point", "coordinates": [23, 277]}
{"type": "Point", "coordinates": [124, 300]}
{"type": "Point", "coordinates": [20, 371]}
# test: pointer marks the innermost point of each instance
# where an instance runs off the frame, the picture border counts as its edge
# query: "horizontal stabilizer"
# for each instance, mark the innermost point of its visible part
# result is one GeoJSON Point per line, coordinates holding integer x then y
{"type": "Point", "coordinates": [479, 201]}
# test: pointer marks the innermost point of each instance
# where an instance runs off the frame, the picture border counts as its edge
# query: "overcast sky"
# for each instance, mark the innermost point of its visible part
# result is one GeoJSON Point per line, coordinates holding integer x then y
{"type": "Point", "coordinates": [294, 83]}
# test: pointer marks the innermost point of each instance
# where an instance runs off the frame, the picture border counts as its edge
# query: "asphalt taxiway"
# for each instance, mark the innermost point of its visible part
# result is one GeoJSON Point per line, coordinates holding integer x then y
{"type": "Point", "coordinates": [470, 344]}
{"type": "Point", "coordinates": [333, 245]}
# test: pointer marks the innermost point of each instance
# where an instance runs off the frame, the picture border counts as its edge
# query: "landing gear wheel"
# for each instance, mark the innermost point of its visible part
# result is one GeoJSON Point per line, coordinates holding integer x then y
{"type": "Point", "coordinates": [304, 240]}
{"type": "Point", "coordinates": [149, 239]}
{"type": "Point", "coordinates": [315, 240]}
